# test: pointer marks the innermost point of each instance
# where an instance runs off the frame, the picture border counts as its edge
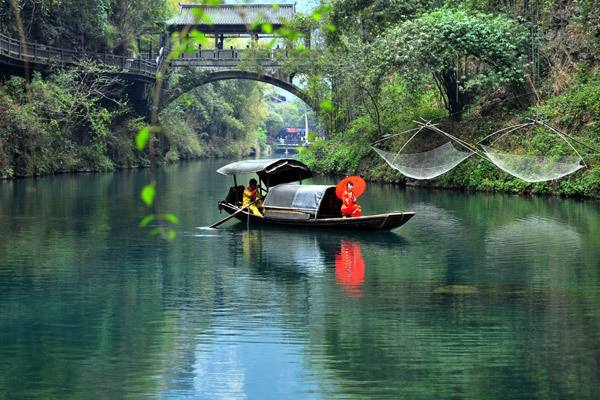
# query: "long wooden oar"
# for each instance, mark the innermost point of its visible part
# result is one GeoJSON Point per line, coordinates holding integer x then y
{"type": "Point", "coordinates": [233, 215]}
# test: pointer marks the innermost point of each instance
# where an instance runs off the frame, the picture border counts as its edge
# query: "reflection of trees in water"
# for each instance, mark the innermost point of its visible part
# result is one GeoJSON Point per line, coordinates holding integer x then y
{"type": "Point", "coordinates": [484, 345]}
{"type": "Point", "coordinates": [82, 292]}
{"type": "Point", "coordinates": [542, 253]}
{"type": "Point", "coordinates": [63, 294]}
{"type": "Point", "coordinates": [535, 251]}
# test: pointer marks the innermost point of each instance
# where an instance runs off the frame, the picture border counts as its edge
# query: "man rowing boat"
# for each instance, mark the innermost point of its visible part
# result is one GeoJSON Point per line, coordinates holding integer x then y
{"type": "Point", "coordinates": [252, 195]}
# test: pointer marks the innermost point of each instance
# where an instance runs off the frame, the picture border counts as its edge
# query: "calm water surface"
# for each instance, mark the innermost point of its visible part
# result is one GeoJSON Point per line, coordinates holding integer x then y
{"type": "Point", "coordinates": [478, 297]}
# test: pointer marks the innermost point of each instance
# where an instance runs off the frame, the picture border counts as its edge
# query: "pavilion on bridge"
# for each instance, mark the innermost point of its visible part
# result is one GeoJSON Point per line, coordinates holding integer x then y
{"type": "Point", "coordinates": [228, 21]}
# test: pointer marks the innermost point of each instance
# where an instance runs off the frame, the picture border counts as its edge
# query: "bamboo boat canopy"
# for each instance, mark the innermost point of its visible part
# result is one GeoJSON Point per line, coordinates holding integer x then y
{"type": "Point", "coordinates": [299, 197]}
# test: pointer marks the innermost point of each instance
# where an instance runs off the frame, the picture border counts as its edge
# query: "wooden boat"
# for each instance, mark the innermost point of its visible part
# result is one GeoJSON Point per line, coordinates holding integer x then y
{"type": "Point", "coordinates": [294, 204]}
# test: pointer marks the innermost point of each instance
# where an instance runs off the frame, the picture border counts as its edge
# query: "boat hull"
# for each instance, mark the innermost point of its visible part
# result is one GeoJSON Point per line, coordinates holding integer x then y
{"type": "Point", "coordinates": [379, 222]}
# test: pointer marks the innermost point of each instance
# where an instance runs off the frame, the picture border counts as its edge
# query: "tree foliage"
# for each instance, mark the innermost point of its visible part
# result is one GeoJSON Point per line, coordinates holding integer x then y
{"type": "Point", "coordinates": [368, 19]}
{"type": "Point", "coordinates": [90, 25]}
{"type": "Point", "coordinates": [465, 53]}
{"type": "Point", "coordinates": [67, 124]}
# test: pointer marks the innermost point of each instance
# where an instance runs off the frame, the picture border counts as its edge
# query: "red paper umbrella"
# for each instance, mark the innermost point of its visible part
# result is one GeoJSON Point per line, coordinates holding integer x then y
{"type": "Point", "coordinates": [359, 186]}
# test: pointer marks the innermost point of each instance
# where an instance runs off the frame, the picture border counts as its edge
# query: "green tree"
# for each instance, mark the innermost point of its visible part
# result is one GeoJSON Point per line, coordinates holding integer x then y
{"type": "Point", "coordinates": [53, 23]}
{"type": "Point", "coordinates": [90, 25]}
{"type": "Point", "coordinates": [367, 19]}
{"type": "Point", "coordinates": [464, 52]}
{"type": "Point", "coordinates": [130, 18]}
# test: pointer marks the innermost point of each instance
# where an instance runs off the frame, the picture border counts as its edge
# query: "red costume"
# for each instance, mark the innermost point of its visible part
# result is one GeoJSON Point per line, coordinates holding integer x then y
{"type": "Point", "coordinates": [349, 206]}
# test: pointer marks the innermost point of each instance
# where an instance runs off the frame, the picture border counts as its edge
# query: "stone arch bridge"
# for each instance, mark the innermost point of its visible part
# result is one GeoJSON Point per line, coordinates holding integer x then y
{"type": "Point", "coordinates": [206, 65]}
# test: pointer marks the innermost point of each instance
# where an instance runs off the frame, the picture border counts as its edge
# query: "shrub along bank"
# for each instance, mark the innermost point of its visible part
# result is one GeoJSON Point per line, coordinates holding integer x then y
{"type": "Point", "coordinates": [576, 112]}
{"type": "Point", "coordinates": [68, 122]}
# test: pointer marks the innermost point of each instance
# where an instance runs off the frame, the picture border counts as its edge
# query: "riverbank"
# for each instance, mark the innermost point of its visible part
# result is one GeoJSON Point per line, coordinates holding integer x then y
{"type": "Point", "coordinates": [575, 111]}
{"type": "Point", "coordinates": [65, 123]}
{"type": "Point", "coordinates": [474, 174]}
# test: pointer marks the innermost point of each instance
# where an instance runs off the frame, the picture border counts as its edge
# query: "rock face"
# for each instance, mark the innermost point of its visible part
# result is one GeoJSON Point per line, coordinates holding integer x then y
{"type": "Point", "coordinates": [568, 35]}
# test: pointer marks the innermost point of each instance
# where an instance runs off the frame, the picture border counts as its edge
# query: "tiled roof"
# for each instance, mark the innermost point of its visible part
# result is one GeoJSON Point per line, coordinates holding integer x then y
{"type": "Point", "coordinates": [234, 14]}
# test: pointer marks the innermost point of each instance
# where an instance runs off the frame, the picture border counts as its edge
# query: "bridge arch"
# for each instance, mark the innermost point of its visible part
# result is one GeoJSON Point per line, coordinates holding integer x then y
{"type": "Point", "coordinates": [204, 77]}
{"type": "Point", "coordinates": [288, 86]}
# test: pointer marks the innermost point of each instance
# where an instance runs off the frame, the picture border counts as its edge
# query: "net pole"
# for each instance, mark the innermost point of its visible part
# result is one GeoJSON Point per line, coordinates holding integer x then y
{"type": "Point", "coordinates": [408, 141]}
{"type": "Point", "coordinates": [570, 137]}
{"type": "Point", "coordinates": [514, 128]}
{"type": "Point", "coordinates": [394, 135]}
{"type": "Point", "coordinates": [460, 141]}
{"type": "Point", "coordinates": [562, 136]}
{"type": "Point", "coordinates": [501, 130]}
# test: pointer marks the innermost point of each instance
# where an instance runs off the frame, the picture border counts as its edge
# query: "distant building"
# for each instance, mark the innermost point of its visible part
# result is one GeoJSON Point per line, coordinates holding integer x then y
{"type": "Point", "coordinates": [294, 136]}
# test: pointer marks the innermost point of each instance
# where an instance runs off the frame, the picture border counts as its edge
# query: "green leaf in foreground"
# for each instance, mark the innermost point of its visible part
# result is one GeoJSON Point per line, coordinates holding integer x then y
{"type": "Point", "coordinates": [198, 37]}
{"type": "Point", "coordinates": [146, 220]}
{"type": "Point", "coordinates": [142, 137]}
{"type": "Point", "coordinates": [311, 136]}
{"type": "Point", "coordinates": [148, 193]}
{"type": "Point", "coordinates": [172, 218]}
{"type": "Point", "coordinates": [267, 28]}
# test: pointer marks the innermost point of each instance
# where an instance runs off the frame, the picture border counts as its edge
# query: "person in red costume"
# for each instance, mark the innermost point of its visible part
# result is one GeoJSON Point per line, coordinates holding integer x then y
{"type": "Point", "coordinates": [349, 206]}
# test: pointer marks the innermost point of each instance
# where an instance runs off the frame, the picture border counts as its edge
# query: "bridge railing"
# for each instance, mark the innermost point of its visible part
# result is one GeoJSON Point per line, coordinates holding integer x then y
{"type": "Point", "coordinates": [228, 54]}
{"type": "Point", "coordinates": [229, 57]}
{"type": "Point", "coordinates": [144, 66]}
{"type": "Point", "coordinates": [41, 54]}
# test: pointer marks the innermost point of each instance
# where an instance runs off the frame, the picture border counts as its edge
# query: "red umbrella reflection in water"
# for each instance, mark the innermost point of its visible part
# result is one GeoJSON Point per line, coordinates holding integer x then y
{"type": "Point", "coordinates": [350, 268]}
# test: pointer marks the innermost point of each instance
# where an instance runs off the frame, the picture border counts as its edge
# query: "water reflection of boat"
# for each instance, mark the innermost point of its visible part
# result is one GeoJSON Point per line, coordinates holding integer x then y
{"type": "Point", "coordinates": [290, 255]}
{"type": "Point", "coordinates": [314, 206]}
{"type": "Point", "coordinates": [287, 255]}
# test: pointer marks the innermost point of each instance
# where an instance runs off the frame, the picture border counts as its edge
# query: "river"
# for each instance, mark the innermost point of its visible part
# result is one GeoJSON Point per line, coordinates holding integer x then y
{"type": "Point", "coordinates": [479, 296]}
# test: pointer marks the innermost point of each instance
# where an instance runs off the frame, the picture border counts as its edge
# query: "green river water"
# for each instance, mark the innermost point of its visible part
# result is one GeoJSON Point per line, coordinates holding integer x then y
{"type": "Point", "coordinates": [479, 296]}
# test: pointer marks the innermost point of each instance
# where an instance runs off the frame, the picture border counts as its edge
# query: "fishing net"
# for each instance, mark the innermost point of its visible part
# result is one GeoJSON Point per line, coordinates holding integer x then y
{"type": "Point", "coordinates": [550, 155]}
{"type": "Point", "coordinates": [537, 153]}
{"type": "Point", "coordinates": [533, 168]}
{"type": "Point", "coordinates": [426, 156]}
{"type": "Point", "coordinates": [427, 164]}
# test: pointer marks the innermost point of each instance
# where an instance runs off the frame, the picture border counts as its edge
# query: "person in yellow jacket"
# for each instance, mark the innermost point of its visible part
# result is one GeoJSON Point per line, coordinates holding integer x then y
{"type": "Point", "coordinates": [251, 194]}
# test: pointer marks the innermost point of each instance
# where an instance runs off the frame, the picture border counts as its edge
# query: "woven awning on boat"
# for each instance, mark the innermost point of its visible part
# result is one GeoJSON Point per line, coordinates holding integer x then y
{"type": "Point", "coordinates": [299, 197]}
